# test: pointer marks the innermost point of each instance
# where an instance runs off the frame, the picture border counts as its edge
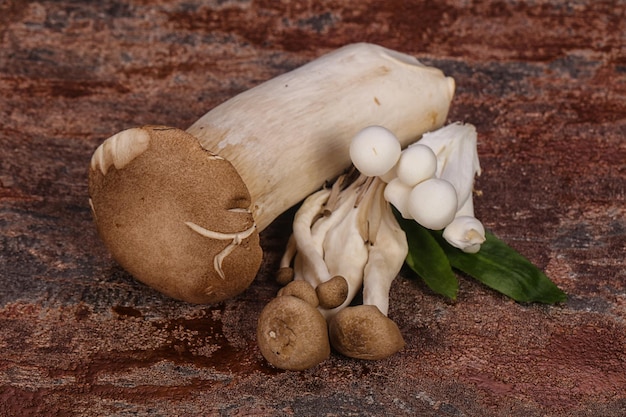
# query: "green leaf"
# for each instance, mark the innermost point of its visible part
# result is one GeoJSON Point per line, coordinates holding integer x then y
{"type": "Point", "coordinates": [500, 267]}
{"type": "Point", "coordinates": [428, 260]}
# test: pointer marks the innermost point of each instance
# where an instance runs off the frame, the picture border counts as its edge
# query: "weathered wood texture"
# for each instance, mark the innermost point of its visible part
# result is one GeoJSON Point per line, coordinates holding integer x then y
{"type": "Point", "coordinates": [543, 81]}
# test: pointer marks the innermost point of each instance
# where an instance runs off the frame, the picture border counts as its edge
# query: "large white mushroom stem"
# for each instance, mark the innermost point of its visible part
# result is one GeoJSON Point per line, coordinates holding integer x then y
{"type": "Point", "coordinates": [182, 210]}
{"type": "Point", "coordinates": [288, 136]}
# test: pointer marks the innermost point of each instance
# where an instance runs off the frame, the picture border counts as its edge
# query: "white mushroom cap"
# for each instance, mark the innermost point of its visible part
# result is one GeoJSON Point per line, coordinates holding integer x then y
{"type": "Point", "coordinates": [466, 233]}
{"type": "Point", "coordinates": [417, 163]}
{"type": "Point", "coordinates": [433, 203]}
{"type": "Point", "coordinates": [375, 150]}
{"type": "Point", "coordinates": [397, 193]}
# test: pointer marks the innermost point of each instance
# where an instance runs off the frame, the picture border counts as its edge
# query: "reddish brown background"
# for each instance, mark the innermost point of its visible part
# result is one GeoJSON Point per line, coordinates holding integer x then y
{"type": "Point", "coordinates": [545, 84]}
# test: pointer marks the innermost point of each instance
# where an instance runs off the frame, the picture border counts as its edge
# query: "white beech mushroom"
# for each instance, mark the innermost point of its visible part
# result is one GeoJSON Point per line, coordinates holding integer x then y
{"type": "Point", "coordinates": [457, 162]}
{"type": "Point", "coordinates": [397, 193]}
{"type": "Point", "coordinates": [457, 158]}
{"type": "Point", "coordinates": [466, 233]}
{"type": "Point", "coordinates": [285, 138]}
{"type": "Point", "coordinates": [433, 203]}
{"type": "Point", "coordinates": [374, 151]}
{"type": "Point", "coordinates": [416, 164]}
{"type": "Point", "coordinates": [444, 193]}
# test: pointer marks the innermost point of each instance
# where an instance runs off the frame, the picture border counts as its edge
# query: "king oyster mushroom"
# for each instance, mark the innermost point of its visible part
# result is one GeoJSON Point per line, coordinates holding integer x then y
{"type": "Point", "coordinates": [181, 211]}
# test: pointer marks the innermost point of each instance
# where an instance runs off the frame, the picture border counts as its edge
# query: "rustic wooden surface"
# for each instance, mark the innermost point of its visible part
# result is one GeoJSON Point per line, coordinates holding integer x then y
{"type": "Point", "coordinates": [543, 81]}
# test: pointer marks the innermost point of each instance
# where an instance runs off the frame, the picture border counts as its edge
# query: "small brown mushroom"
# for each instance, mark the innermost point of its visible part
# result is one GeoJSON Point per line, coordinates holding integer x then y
{"type": "Point", "coordinates": [292, 334]}
{"type": "Point", "coordinates": [301, 289]}
{"type": "Point", "coordinates": [363, 332]}
{"type": "Point", "coordinates": [333, 292]}
{"type": "Point", "coordinates": [284, 275]}
{"type": "Point", "coordinates": [154, 207]}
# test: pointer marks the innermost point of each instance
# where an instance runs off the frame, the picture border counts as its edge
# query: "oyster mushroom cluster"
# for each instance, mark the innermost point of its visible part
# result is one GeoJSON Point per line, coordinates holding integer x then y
{"type": "Point", "coordinates": [346, 241]}
{"type": "Point", "coordinates": [181, 210]}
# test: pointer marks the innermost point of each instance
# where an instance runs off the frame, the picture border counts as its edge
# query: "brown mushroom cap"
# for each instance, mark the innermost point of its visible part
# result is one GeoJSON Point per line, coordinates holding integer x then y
{"type": "Point", "coordinates": [333, 292]}
{"type": "Point", "coordinates": [284, 275]}
{"type": "Point", "coordinates": [363, 332]}
{"type": "Point", "coordinates": [301, 289]}
{"type": "Point", "coordinates": [292, 334]}
{"type": "Point", "coordinates": [145, 186]}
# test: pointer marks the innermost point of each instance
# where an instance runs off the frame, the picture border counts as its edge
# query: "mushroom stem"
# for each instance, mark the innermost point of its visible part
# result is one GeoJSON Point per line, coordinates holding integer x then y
{"type": "Point", "coordinates": [302, 121]}
{"type": "Point", "coordinates": [345, 253]}
{"type": "Point", "coordinates": [387, 253]}
{"type": "Point", "coordinates": [311, 257]}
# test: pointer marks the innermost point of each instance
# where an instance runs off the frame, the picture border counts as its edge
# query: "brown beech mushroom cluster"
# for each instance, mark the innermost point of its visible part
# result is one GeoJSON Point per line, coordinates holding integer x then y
{"type": "Point", "coordinates": [181, 211]}
{"type": "Point", "coordinates": [347, 239]}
